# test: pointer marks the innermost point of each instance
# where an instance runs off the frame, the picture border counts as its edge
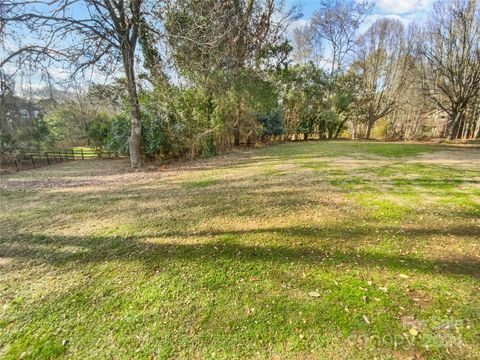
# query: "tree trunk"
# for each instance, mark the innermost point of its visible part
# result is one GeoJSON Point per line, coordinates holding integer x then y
{"type": "Point", "coordinates": [136, 132]}
{"type": "Point", "coordinates": [236, 134]}
{"type": "Point", "coordinates": [461, 124]}
{"type": "Point", "coordinates": [477, 135]}
{"type": "Point", "coordinates": [467, 125]}
{"type": "Point", "coordinates": [210, 108]}
{"type": "Point", "coordinates": [476, 125]}
{"type": "Point", "coordinates": [339, 128]}
{"type": "Point", "coordinates": [369, 129]}
{"type": "Point", "coordinates": [454, 125]}
{"type": "Point", "coordinates": [236, 125]}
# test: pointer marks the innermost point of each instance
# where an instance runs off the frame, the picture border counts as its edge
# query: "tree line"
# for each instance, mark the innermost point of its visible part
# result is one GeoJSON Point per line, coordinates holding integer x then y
{"type": "Point", "coordinates": [195, 77]}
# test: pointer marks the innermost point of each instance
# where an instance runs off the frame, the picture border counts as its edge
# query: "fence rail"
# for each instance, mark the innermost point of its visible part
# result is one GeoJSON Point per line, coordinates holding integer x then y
{"type": "Point", "coordinates": [23, 159]}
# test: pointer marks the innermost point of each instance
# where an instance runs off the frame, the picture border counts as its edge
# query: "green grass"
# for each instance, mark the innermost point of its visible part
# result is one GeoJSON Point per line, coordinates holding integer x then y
{"type": "Point", "coordinates": [329, 250]}
{"type": "Point", "coordinates": [199, 183]}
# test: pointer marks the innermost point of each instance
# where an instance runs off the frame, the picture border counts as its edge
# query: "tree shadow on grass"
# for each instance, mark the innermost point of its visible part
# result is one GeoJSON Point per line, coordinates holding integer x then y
{"type": "Point", "coordinates": [74, 250]}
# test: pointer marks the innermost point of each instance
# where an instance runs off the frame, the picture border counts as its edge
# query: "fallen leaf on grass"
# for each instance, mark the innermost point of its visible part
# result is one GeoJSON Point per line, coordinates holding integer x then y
{"type": "Point", "coordinates": [314, 294]}
{"type": "Point", "coordinates": [413, 332]}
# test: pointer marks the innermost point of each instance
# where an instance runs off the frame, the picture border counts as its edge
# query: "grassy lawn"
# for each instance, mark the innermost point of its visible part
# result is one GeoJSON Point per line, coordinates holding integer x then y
{"type": "Point", "coordinates": [328, 250]}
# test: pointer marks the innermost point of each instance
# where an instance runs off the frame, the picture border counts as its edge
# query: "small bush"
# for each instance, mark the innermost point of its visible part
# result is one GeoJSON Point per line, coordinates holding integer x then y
{"type": "Point", "coordinates": [98, 131]}
{"type": "Point", "coordinates": [209, 149]}
{"type": "Point", "coordinates": [119, 134]}
{"type": "Point", "coordinates": [271, 124]}
{"type": "Point", "coordinates": [6, 142]}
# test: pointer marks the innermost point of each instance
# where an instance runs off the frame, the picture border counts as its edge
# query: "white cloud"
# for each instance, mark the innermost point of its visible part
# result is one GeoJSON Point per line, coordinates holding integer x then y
{"type": "Point", "coordinates": [402, 6]}
{"type": "Point", "coordinates": [297, 24]}
{"type": "Point", "coordinates": [374, 17]}
{"type": "Point", "coordinates": [9, 45]}
{"type": "Point", "coordinates": [58, 73]}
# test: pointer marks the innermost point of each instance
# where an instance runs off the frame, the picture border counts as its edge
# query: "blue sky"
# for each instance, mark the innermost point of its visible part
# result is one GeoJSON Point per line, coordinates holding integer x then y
{"type": "Point", "coordinates": [404, 10]}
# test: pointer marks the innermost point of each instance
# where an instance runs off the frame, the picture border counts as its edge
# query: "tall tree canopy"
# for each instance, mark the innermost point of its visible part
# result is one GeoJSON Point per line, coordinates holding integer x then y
{"type": "Point", "coordinates": [450, 59]}
{"type": "Point", "coordinates": [84, 33]}
{"type": "Point", "coordinates": [381, 64]}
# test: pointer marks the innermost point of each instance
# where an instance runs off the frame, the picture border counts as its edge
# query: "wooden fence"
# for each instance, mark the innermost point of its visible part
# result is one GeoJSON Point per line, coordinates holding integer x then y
{"type": "Point", "coordinates": [28, 159]}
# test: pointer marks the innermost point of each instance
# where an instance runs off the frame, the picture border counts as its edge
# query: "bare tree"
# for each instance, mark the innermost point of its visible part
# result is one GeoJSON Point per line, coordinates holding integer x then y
{"type": "Point", "coordinates": [382, 62]}
{"type": "Point", "coordinates": [83, 33]}
{"type": "Point", "coordinates": [450, 51]}
{"type": "Point", "coordinates": [302, 45]}
{"type": "Point", "coordinates": [334, 28]}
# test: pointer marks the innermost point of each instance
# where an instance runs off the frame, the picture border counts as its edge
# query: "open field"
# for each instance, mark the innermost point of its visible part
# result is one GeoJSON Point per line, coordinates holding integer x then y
{"type": "Point", "coordinates": [328, 250]}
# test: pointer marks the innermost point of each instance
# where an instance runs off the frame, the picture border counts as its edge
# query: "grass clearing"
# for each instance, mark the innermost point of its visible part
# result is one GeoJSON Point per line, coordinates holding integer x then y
{"type": "Point", "coordinates": [303, 250]}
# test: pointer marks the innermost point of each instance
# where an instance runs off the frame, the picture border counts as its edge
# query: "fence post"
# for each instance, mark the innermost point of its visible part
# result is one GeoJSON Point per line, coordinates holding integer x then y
{"type": "Point", "coordinates": [16, 165]}
{"type": "Point", "coordinates": [81, 151]}
{"type": "Point", "coordinates": [46, 155]}
{"type": "Point", "coordinates": [33, 161]}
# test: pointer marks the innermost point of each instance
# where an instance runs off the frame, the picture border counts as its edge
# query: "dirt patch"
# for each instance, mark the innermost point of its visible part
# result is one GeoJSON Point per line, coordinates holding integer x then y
{"type": "Point", "coordinates": [4, 261]}
{"type": "Point", "coordinates": [462, 159]}
{"type": "Point", "coordinates": [79, 174]}
{"type": "Point", "coordinates": [286, 167]}
{"type": "Point", "coordinates": [420, 298]}
{"type": "Point", "coordinates": [353, 164]}
{"type": "Point", "coordinates": [89, 173]}
{"type": "Point", "coordinates": [49, 183]}
{"type": "Point", "coordinates": [410, 322]}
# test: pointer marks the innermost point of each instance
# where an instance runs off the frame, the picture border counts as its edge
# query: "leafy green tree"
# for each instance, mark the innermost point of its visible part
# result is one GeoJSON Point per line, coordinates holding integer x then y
{"type": "Point", "coordinates": [227, 49]}
{"type": "Point", "coordinates": [303, 100]}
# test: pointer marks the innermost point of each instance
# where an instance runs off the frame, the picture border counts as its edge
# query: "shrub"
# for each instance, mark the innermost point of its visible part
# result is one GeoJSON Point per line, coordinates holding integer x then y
{"type": "Point", "coordinates": [6, 142]}
{"type": "Point", "coordinates": [271, 124]}
{"type": "Point", "coordinates": [209, 149]}
{"type": "Point", "coordinates": [98, 131]}
{"type": "Point", "coordinates": [119, 134]}
{"type": "Point", "coordinates": [329, 119]}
